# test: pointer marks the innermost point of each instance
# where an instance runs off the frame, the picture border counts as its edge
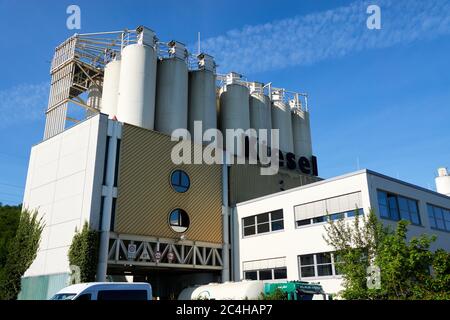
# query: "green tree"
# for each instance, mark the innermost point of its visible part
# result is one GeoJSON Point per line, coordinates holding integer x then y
{"type": "Point", "coordinates": [404, 265]}
{"type": "Point", "coordinates": [83, 253]}
{"type": "Point", "coordinates": [22, 251]}
{"type": "Point", "coordinates": [9, 221]}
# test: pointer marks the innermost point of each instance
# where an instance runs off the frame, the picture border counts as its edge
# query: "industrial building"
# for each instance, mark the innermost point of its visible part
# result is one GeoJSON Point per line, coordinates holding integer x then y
{"type": "Point", "coordinates": [115, 100]}
{"type": "Point", "coordinates": [290, 225]}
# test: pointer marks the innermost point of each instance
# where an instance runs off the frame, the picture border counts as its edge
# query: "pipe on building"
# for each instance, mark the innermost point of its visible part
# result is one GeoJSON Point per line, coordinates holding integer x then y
{"type": "Point", "coordinates": [109, 192]}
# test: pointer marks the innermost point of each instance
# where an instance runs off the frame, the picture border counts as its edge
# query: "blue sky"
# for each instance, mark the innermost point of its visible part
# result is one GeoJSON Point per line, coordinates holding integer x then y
{"type": "Point", "coordinates": [380, 96]}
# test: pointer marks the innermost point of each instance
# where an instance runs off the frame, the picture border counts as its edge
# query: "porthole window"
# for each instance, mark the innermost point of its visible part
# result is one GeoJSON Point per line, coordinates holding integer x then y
{"type": "Point", "coordinates": [179, 220]}
{"type": "Point", "coordinates": [180, 181]}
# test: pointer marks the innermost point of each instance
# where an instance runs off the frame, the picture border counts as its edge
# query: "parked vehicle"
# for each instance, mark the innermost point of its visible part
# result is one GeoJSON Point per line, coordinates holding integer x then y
{"type": "Point", "coordinates": [106, 291]}
{"type": "Point", "coordinates": [253, 290]}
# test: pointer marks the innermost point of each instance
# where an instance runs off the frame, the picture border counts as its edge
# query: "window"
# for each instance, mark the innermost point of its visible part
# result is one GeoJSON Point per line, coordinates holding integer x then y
{"type": "Point", "coordinates": [86, 296]}
{"type": "Point", "coordinates": [122, 295]}
{"type": "Point", "coordinates": [280, 273]}
{"type": "Point", "coordinates": [307, 268]}
{"type": "Point", "coordinates": [251, 275]}
{"type": "Point", "coordinates": [179, 220]}
{"type": "Point", "coordinates": [439, 217]}
{"type": "Point", "coordinates": [266, 274]}
{"type": "Point", "coordinates": [324, 264]}
{"type": "Point", "coordinates": [395, 207]}
{"type": "Point", "coordinates": [318, 265]}
{"type": "Point", "coordinates": [334, 216]}
{"type": "Point", "coordinates": [263, 223]}
{"type": "Point", "coordinates": [180, 181]}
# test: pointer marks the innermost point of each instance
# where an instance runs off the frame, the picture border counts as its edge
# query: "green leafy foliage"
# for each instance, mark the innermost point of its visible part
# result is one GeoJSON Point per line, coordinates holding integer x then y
{"type": "Point", "coordinates": [83, 253]}
{"type": "Point", "coordinates": [404, 265]}
{"type": "Point", "coordinates": [277, 294]}
{"type": "Point", "coordinates": [9, 221]}
{"type": "Point", "coordinates": [22, 251]}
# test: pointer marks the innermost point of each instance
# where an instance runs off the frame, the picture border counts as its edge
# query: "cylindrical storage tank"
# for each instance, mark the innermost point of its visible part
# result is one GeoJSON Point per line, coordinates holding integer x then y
{"type": "Point", "coordinates": [171, 95]}
{"type": "Point", "coordinates": [242, 290]}
{"type": "Point", "coordinates": [110, 94]}
{"type": "Point", "coordinates": [260, 115]}
{"type": "Point", "coordinates": [202, 100]}
{"type": "Point", "coordinates": [234, 111]}
{"type": "Point", "coordinates": [136, 103]}
{"type": "Point", "coordinates": [281, 120]}
{"type": "Point", "coordinates": [301, 131]}
{"type": "Point", "coordinates": [443, 182]}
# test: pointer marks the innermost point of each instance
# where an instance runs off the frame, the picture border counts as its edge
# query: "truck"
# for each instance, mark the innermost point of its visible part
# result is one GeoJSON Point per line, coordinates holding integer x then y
{"type": "Point", "coordinates": [254, 290]}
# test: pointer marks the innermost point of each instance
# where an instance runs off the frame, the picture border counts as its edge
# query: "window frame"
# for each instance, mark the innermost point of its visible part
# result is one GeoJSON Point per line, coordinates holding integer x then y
{"type": "Point", "coordinates": [397, 200]}
{"type": "Point", "coordinates": [256, 224]}
{"type": "Point", "coordinates": [443, 210]}
{"type": "Point", "coordinates": [180, 185]}
{"type": "Point", "coordinates": [316, 265]}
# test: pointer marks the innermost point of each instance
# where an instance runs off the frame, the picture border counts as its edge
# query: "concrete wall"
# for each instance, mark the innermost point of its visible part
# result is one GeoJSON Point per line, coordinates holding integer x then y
{"type": "Point", "coordinates": [292, 242]}
{"type": "Point", "coordinates": [64, 185]}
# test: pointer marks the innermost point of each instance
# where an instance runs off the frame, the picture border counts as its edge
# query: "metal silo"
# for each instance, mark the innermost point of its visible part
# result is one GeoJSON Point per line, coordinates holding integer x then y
{"type": "Point", "coordinates": [202, 95]}
{"type": "Point", "coordinates": [136, 103]}
{"type": "Point", "coordinates": [110, 95]}
{"type": "Point", "coordinates": [172, 90]}
{"type": "Point", "coordinates": [260, 110]}
{"type": "Point", "coordinates": [281, 119]}
{"type": "Point", "coordinates": [301, 129]}
{"type": "Point", "coordinates": [234, 106]}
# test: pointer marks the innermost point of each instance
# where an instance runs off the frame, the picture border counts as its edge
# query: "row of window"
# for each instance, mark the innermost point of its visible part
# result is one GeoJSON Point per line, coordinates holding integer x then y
{"type": "Point", "coordinates": [396, 207]}
{"type": "Point", "coordinates": [334, 216]}
{"type": "Point", "coordinates": [263, 223]}
{"type": "Point", "coordinates": [266, 274]}
{"type": "Point", "coordinates": [439, 217]}
{"type": "Point", "coordinates": [318, 265]}
{"type": "Point", "coordinates": [324, 264]}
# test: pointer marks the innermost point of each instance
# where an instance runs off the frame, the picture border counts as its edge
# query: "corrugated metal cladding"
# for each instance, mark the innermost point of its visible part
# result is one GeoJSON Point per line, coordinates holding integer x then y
{"type": "Point", "coordinates": [146, 198]}
{"type": "Point", "coordinates": [247, 183]}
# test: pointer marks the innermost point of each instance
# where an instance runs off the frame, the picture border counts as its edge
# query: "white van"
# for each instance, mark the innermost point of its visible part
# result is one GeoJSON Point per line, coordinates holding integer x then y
{"type": "Point", "coordinates": [106, 291]}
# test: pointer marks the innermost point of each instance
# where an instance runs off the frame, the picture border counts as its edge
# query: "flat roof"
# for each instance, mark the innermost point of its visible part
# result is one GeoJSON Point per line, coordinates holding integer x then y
{"type": "Point", "coordinates": [344, 176]}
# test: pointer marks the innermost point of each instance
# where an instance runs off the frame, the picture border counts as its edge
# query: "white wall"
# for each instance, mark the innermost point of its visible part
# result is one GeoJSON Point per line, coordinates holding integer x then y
{"type": "Point", "coordinates": [292, 242]}
{"type": "Point", "coordinates": [64, 185]}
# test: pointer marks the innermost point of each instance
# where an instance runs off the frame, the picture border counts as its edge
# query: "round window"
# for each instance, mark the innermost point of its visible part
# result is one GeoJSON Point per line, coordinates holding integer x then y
{"type": "Point", "coordinates": [179, 220]}
{"type": "Point", "coordinates": [180, 181]}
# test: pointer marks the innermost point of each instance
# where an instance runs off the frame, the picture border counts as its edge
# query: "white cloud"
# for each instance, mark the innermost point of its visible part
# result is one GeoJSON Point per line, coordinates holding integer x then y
{"type": "Point", "coordinates": [308, 39]}
{"type": "Point", "coordinates": [23, 103]}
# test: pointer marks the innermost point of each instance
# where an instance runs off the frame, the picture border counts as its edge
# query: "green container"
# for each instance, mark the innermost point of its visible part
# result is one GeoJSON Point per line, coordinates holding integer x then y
{"type": "Point", "coordinates": [295, 290]}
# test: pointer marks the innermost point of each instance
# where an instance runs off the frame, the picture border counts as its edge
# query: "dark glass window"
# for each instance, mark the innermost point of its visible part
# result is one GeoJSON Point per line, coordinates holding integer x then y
{"type": "Point", "coordinates": [277, 225]}
{"type": "Point", "coordinates": [249, 221]}
{"type": "Point", "coordinates": [352, 213]}
{"type": "Point", "coordinates": [265, 274]}
{"type": "Point", "coordinates": [318, 265]}
{"type": "Point", "coordinates": [260, 218]}
{"type": "Point", "coordinates": [277, 215]}
{"type": "Point", "coordinates": [319, 219]}
{"type": "Point", "coordinates": [180, 181]}
{"type": "Point", "coordinates": [263, 223]}
{"type": "Point", "coordinates": [337, 216]}
{"type": "Point", "coordinates": [251, 275]}
{"type": "Point", "coordinates": [280, 273]}
{"type": "Point", "coordinates": [248, 231]}
{"type": "Point", "coordinates": [122, 295]}
{"type": "Point", "coordinates": [86, 296]}
{"type": "Point", "coordinates": [307, 271]}
{"type": "Point", "coordinates": [397, 207]}
{"type": "Point", "coordinates": [263, 227]}
{"type": "Point", "coordinates": [303, 222]}
{"type": "Point", "coordinates": [439, 217]}
{"type": "Point", "coordinates": [179, 220]}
